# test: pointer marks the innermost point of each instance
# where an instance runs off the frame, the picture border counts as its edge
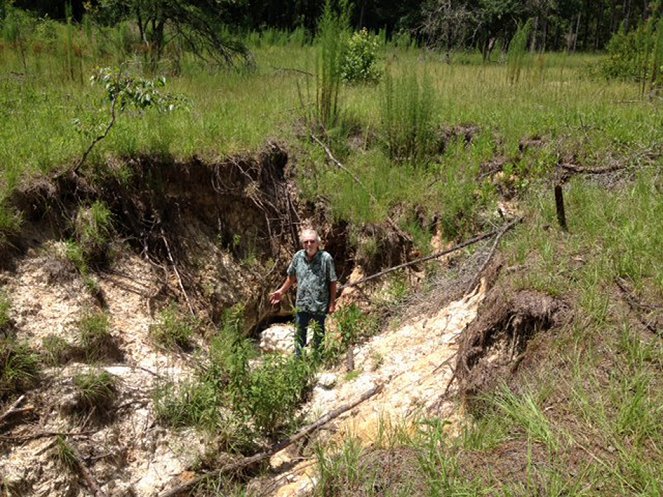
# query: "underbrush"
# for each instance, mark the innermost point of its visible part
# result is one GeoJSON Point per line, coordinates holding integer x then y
{"type": "Point", "coordinates": [236, 395]}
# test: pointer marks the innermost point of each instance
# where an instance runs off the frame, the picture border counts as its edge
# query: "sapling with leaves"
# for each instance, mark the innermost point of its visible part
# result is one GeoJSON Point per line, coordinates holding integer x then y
{"type": "Point", "coordinates": [125, 91]}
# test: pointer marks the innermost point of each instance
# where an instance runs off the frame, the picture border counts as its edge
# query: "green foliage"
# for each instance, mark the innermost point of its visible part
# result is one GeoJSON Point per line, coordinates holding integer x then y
{"type": "Point", "coordinates": [360, 57]}
{"type": "Point", "coordinates": [93, 228]}
{"type": "Point", "coordinates": [227, 393]}
{"type": "Point", "coordinates": [19, 367]}
{"type": "Point", "coordinates": [274, 391]}
{"type": "Point", "coordinates": [174, 331]}
{"type": "Point", "coordinates": [332, 33]}
{"type": "Point", "coordinates": [96, 391]}
{"type": "Point", "coordinates": [56, 351]}
{"type": "Point", "coordinates": [64, 454]}
{"type": "Point", "coordinates": [637, 55]}
{"type": "Point", "coordinates": [10, 222]}
{"type": "Point", "coordinates": [517, 53]}
{"type": "Point", "coordinates": [5, 307]}
{"type": "Point", "coordinates": [407, 113]}
{"type": "Point", "coordinates": [354, 324]}
{"type": "Point", "coordinates": [94, 338]}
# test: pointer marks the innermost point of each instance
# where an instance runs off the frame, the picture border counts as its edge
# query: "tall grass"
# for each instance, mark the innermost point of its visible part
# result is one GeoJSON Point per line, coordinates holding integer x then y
{"type": "Point", "coordinates": [408, 108]}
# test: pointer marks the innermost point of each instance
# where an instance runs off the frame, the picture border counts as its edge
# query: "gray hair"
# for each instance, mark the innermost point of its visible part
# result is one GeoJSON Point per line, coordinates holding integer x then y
{"type": "Point", "coordinates": [317, 237]}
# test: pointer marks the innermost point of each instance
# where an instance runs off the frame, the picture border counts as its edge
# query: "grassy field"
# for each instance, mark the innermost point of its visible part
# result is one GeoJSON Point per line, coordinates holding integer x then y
{"type": "Point", "coordinates": [587, 420]}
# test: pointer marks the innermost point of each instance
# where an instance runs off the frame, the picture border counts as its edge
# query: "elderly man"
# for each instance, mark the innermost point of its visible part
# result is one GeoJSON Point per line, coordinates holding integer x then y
{"type": "Point", "coordinates": [313, 271]}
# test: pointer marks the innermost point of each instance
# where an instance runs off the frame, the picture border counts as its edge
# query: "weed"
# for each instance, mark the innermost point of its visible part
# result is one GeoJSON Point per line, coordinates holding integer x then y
{"type": "Point", "coordinates": [94, 338]}
{"type": "Point", "coordinates": [407, 115]}
{"type": "Point", "coordinates": [332, 34]}
{"type": "Point", "coordinates": [65, 454]}
{"type": "Point", "coordinates": [5, 307]}
{"type": "Point", "coordinates": [96, 392]}
{"type": "Point", "coordinates": [19, 367]}
{"type": "Point", "coordinates": [525, 413]}
{"type": "Point", "coordinates": [518, 52]}
{"type": "Point", "coordinates": [93, 227]}
{"type": "Point", "coordinates": [10, 222]}
{"type": "Point", "coordinates": [274, 391]}
{"type": "Point", "coordinates": [173, 331]}
{"type": "Point", "coordinates": [56, 351]}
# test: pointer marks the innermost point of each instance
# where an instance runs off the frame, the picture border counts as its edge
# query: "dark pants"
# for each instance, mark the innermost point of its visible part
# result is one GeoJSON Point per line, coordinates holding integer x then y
{"type": "Point", "coordinates": [302, 320]}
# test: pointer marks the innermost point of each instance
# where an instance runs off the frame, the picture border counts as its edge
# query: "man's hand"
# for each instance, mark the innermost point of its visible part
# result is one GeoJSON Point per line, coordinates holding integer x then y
{"type": "Point", "coordinates": [332, 307]}
{"type": "Point", "coordinates": [276, 297]}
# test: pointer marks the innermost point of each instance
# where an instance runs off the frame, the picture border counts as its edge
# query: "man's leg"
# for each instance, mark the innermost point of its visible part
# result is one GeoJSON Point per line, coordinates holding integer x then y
{"type": "Point", "coordinates": [302, 320]}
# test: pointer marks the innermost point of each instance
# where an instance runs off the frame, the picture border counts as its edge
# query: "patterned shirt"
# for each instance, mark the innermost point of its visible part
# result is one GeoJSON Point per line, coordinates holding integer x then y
{"type": "Point", "coordinates": [313, 279]}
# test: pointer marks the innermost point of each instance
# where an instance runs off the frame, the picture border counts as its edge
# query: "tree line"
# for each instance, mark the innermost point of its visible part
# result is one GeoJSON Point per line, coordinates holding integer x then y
{"type": "Point", "coordinates": [582, 25]}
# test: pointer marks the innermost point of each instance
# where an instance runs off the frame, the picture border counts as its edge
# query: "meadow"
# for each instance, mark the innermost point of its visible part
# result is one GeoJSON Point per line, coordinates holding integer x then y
{"type": "Point", "coordinates": [586, 420]}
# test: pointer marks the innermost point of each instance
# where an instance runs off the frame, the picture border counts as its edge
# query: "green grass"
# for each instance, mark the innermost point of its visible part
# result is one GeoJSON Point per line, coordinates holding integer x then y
{"type": "Point", "coordinates": [19, 367]}
{"type": "Point", "coordinates": [595, 398]}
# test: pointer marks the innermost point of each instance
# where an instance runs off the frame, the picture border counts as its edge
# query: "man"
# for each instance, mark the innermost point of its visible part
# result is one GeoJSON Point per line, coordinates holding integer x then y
{"type": "Point", "coordinates": [313, 271]}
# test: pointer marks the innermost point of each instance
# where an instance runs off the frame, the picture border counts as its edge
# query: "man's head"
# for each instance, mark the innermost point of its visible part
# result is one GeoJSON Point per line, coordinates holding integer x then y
{"type": "Point", "coordinates": [310, 241]}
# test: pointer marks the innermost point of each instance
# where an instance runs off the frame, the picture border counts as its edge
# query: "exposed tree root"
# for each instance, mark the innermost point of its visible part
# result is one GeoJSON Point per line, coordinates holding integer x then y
{"type": "Point", "coordinates": [495, 344]}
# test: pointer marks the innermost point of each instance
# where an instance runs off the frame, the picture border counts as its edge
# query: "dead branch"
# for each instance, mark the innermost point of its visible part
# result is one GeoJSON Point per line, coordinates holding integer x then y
{"type": "Point", "coordinates": [177, 273]}
{"type": "Point", "coordinates": [590, 170]}
{"type": "Point", "coordinates": [637, 307]}
{"type": "Point", "coordinates": [467, 243]}
{"type": "Point", "coordinates": [491, 254]}
{"type": "Point", "coordinates": [12, 408]}
{"type": "Point", "coordinates": [391, 222]}
{"type": "Point", "coordinates": [261, 456]}
{"type": "Point", "coordinates": [85, 473]}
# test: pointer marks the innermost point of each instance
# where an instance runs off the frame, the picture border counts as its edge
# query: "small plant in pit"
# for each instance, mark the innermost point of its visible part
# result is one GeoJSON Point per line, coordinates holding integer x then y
{"type": "Point", "coordinates": [94, 338]}
{"type": "Point", "coordinates": [64, 453]}
{"type": "Point", "coordinates": [5, 306]}
{"type": "Point", "coordinates": [174, 330]}
{"type": "Point", "coordinates": [19, 367]}
{"type": "Point", "coordinates": [93, 229]}
{"type": "Point", "coordinates": [56, 350]}
{"type": "Point", "coordinates": [96, 391]}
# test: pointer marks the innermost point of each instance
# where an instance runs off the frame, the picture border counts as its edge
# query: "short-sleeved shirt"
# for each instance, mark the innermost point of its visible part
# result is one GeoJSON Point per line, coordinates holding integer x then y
{"type": "Point", "coordinates": [313, 279]}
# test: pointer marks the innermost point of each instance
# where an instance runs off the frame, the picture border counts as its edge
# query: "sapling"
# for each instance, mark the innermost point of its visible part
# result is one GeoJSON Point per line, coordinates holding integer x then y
{"type": "Point", "coordinates": [124, 91]}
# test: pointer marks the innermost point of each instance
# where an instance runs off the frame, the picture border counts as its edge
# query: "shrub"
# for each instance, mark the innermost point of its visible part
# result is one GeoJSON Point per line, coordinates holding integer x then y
{"type": "Point", "coordinates": [174, 331]}
{"type": "Point", "coordinates": [636, 55]}
{"type": "Point", "coordinates": [274, 391]}
{"type": "Point", "coordinates": [19, 367]}
{"type": "Point", "coordinates": [360, 58]}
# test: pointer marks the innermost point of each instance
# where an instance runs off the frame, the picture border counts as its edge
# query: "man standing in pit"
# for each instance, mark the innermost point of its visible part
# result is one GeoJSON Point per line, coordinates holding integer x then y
{"type": "Point", "coordinates": [313, 271]}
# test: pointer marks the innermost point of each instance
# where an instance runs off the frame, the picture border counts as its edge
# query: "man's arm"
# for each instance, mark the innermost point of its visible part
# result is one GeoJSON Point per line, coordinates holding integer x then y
{"type": "Point", "coordinates": [277, 296]}
{"type": "Point", "coordinates": [332, 296]}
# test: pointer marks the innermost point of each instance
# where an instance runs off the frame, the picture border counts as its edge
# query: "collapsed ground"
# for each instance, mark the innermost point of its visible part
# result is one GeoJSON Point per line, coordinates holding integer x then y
{"type": "Point", "coordinates": [210, 236]}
